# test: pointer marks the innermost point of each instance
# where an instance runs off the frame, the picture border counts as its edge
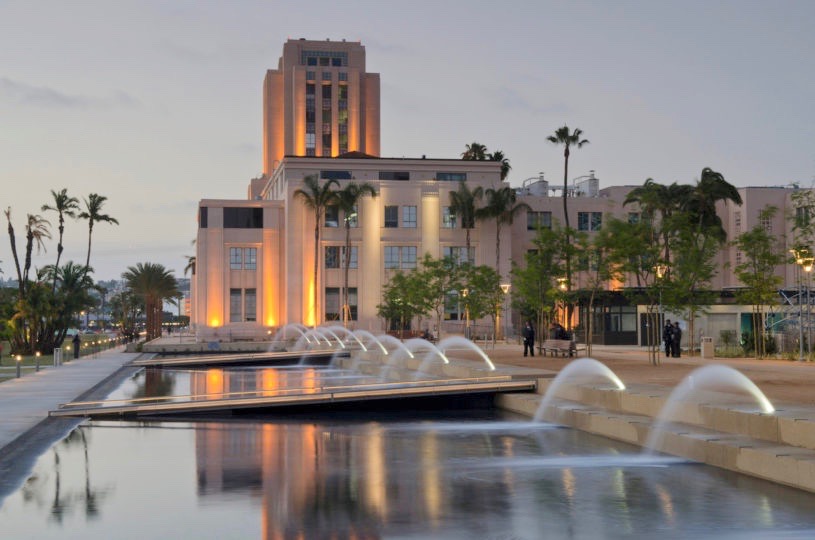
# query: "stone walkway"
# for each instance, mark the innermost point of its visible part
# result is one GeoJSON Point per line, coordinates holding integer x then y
{"type": "Point", "coordinates": [25, 402]}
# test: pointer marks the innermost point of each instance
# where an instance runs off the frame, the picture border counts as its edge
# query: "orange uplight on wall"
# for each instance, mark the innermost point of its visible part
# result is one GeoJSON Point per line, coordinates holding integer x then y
{"type": "Point", "coordinates": [215, 381]}
{"type": "Point", "coordinates": [311, 315]}
{"type": "Point", "coordinates": [215, 322]}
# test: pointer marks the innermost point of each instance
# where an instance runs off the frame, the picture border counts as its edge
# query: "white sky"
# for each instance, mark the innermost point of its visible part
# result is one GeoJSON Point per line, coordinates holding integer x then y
{"type": "Point", "coordinates": [157, 104]}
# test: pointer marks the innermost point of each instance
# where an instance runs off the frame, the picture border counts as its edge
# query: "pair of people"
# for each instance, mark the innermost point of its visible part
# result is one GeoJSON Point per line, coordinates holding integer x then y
{"type": "Point", "coordinates": [672, 338]}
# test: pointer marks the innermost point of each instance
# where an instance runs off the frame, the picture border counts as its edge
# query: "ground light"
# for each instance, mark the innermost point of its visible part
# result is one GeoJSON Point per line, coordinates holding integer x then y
{"type": "Point", "coordinates": [37, 360]}
{"type": "Point", "coordinates": [19, 359]}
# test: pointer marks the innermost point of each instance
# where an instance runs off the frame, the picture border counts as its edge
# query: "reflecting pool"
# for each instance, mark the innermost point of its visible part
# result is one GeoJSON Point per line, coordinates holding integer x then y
{"type": "Point", "coordinates": [459, 473]}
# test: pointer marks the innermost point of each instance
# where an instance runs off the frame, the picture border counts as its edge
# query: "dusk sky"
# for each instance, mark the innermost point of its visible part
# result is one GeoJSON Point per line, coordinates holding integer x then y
{"type": "Point", "coordinates": [157, 104]}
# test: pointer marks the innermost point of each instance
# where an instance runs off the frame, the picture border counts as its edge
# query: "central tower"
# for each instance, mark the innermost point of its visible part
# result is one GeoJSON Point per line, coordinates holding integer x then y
{"type": "Point", "coordinates": [319, 101]}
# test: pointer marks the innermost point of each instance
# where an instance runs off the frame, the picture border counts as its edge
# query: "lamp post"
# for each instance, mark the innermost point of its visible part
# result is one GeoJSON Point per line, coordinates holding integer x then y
{"type": "Point", "coordinates": [804, 260]}
{"type": "Point", "coordinates": [19, 359]}
{"type": "Point", "coordinates": [464, 293]}
{"type": "Point", "coordinates": [661, 271]}
{"type": "Point", "coordinates": [505, 289]}
{"type": "Point", "coordinates": [807, 267]}
{"type": "Point", "coordinates": [563, 286]}
{"type": "Point", "coordinates": [37, 360]}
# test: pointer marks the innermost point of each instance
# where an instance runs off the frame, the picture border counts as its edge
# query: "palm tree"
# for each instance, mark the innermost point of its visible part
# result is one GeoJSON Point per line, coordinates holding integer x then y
{"type": "Point", "coordinates": [501, 205]}
{"type": "Point", "coordinates": [475, 152]}
{"type": "Point", "coordinates": [13, 244]}
{"type": "Point", "coordinates": [658, 200]}
{"type": "Point", "coordinates": [347, 199]}
{"type": "Point", "coordinates": [701, 202]}
{"type": "Point", "coordinates": [501, 158]}
{"type": "Point", "coordinates": [153, 283]}
{"type": "Point", "coordinates": [36, 230]}
{"type": "Point", "coordinates": [64, 206]}
{"type": "Point", "coordinates": [563, 136]}
{"type": "Point", "coordinates": [316, 197]}
{"type": "Point", "coordinates": [93, 213]}
{"type": "Point", "coordinates": [463, 205]}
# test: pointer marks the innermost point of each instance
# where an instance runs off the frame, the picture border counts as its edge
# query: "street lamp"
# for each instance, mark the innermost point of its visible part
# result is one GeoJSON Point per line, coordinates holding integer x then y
{"type": "Point", "coordinates": [464, 293]}
{"type": "Point", "coordinates": [505, 289]}
{"type": "Point", "coordinates": [804, 259]}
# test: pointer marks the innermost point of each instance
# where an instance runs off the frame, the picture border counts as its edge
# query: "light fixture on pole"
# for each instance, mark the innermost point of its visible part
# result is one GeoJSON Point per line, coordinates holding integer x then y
{"type": "Point", "coordinates": [803, 259]}
{"type": "Point", "coordinates": [505, 289]}
{"type": "Point", "coordinates": [464, 293]}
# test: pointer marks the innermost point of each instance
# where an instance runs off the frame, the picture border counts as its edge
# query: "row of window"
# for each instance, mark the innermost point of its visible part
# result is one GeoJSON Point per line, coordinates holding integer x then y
{"type": "Point", "coordinates": [243, 305]}
{"type": "Point", "coordinates": [326, 76]}
{"type": "Point", "coordinates": [385, 175]}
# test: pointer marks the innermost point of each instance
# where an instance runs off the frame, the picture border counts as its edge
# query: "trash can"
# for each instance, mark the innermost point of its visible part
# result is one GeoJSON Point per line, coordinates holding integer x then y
{"type": "Point", "coordinates": [707, 347]}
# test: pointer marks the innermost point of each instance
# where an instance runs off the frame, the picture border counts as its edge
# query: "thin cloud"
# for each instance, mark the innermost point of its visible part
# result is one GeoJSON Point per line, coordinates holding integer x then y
{"type": "Point", "coordinates": [510, 99]}
{"type": "Point", "coordinates": [42, 96]}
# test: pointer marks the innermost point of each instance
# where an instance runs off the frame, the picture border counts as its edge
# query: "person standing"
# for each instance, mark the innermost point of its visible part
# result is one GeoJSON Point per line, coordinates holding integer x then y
{"type": "Point", "coordinates": [76, 342]}
{"type": "Point", "coordinates": [529, 339]}
{"type": "Point", "coordinates": [676, 339]}
{"type": "Point", "coordinates": [667, 337]}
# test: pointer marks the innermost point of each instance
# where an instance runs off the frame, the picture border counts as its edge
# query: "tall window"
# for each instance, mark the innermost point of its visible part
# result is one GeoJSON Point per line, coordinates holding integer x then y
{"type": "Point", "coordinates": [391, 257]}
{"type": "Point", "coordinates": [335, 257]}
{"type": "Point", "coordinates": [589, 221]}
{"type": "Point", "coordinates": [448, 219]}
{"type": "Point", "coordinates": [235, 258]}
{"type": "Point", "coordinates": [766, 223]}
{"type": "Point", "coordinates": [391, 216]}
{"type": "Point", "coordinates": [242, 305]}
{"type": "Point", "coordinates": [333, 303]}
{"type": "Point", "coordinates": [332, 216]}
{"type": "Point", "coordinates": [353, 218]}
{"type": "Point", "coordinates": [409, 216]}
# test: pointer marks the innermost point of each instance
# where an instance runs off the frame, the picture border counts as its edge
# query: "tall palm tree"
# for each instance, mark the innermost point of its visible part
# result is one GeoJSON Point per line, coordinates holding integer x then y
{"type": "Point", "coordinates": [347, 199]}
{"type": "Point", "coordinates": [316, 197]}
{"type": "Point", "coordinates": [475, 152]}
{"type": "Point", "coordinates": [463, 203]}
{"type": "Point", "coordinates": [153, 283]}
{"type": "Point", "coordinates": [563, 136]}
{"type": "Point", "coordinates": [500, 205]}
{"type": "Point", "coordinates": [13, 243]}
{"type": "Point", "coordinates": [64, 206]}
{"type": "Point", "coordinates": [503, 160]}
{"type": "Point", "coordinates": [93, 213]}
{"type": "Point", "coordinates": [36, 230]}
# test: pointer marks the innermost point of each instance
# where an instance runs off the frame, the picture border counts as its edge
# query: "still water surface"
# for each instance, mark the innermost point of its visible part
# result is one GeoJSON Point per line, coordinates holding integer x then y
{"type": "Point", "coordinates": [458, 474]}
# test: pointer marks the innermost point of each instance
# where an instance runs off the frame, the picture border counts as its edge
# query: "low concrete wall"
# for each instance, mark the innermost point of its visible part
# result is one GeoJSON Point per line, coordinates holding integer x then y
{"type": "Point", "coordinates": [779, 446]}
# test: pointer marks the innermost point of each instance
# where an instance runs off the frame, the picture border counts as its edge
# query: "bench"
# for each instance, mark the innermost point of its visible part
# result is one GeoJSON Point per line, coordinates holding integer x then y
{"type": "Point", "coordinates": [558, 347]}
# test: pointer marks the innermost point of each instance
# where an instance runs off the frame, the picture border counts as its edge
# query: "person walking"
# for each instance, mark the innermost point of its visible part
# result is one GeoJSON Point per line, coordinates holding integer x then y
{"type": "Point", "coordinates": [667, 337]}
{"type": "Point", "coordinates": [529, 339]}
{"type": "Point", "coordinates": [676, 339]}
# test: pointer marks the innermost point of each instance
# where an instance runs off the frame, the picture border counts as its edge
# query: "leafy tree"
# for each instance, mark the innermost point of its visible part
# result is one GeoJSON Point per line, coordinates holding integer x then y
{"type": "Point", "coordinates": [441, 278]}
{"type": "Point", "coordinates": [93, 213]}
{"type": "Point", "coordinates": [316, 197]}
{"type": "Point", "coordinates": [463, 204]}
{"type": "Point", "coordinates": [534, 286]}
{"type": "Point", "coordinates": [404, 297]}
{"type": "Point", "coordinates": [64, 205]}
{"type": "Point", "coordinates": [347, 199]}
{"type": "Point", "coordinates": [633, 253]}
{"type": "Point", "coordinates": [484, 294]}
{"type": "Point", "coordinates": [761, 256]}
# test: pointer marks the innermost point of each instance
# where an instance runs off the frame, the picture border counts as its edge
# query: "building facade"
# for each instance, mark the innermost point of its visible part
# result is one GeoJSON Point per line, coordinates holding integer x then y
{"type": "Point", "coordinates": [255, 256]}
